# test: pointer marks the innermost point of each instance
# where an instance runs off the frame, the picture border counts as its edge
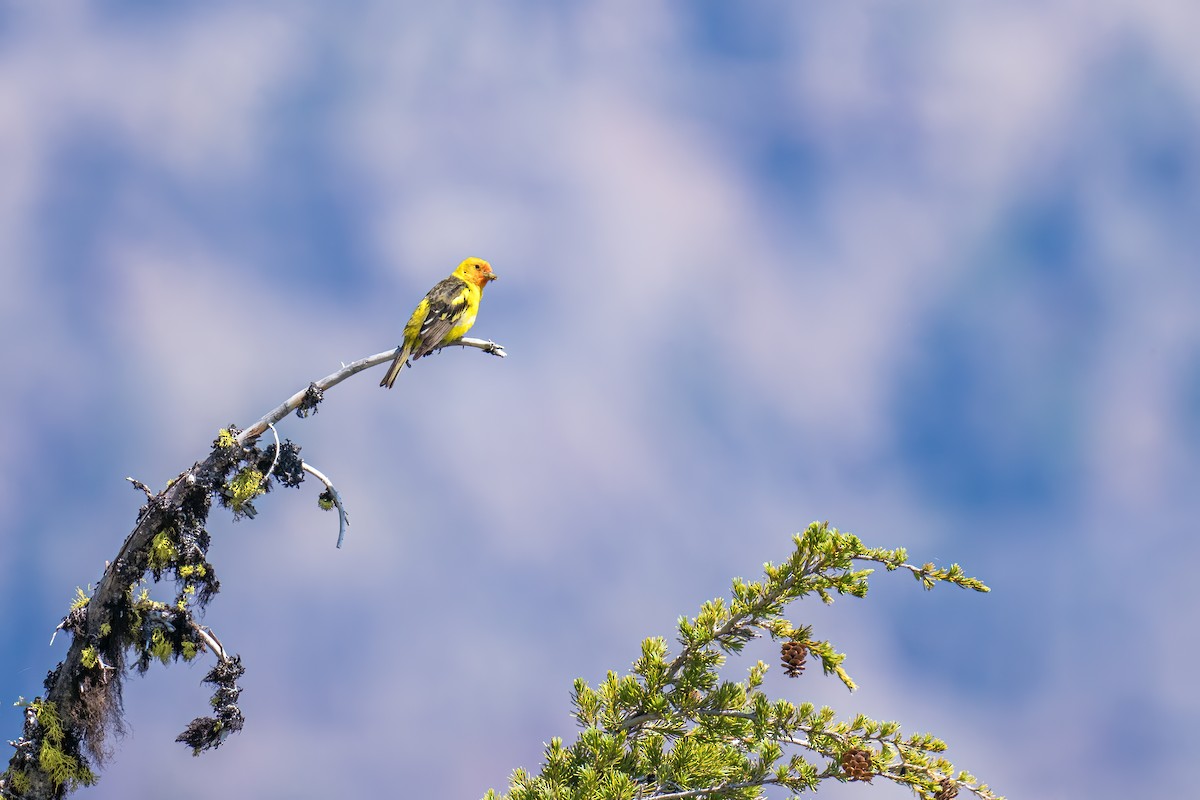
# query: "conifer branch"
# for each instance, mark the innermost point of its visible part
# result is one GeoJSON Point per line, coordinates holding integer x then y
{"type": "Point", "coordinates": [714, 791]}
{"type": "Point", "coordinates": [673, 729]}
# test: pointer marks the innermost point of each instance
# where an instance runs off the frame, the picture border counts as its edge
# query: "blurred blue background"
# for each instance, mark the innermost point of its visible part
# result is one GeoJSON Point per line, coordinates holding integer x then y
{"type": "Point", "coordinates": [928, 272]}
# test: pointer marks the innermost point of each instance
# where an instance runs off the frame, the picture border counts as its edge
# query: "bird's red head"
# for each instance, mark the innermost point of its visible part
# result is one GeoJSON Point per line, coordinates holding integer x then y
{"type": "Point", "coordinates": [476, 271]}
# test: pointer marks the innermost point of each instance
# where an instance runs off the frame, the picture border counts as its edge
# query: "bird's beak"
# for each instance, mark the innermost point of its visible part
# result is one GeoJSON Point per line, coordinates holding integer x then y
{"type": "Point", "coordinates": [491, 276]}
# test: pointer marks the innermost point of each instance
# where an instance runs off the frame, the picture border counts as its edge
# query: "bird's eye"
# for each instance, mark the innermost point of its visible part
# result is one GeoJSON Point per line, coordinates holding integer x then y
{"type": "Point", "coordinates": [477, 266]}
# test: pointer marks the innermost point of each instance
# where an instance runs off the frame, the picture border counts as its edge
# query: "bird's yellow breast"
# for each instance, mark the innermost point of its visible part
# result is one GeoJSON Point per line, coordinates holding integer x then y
{"type": "Point", "coordinates": [466, 321]}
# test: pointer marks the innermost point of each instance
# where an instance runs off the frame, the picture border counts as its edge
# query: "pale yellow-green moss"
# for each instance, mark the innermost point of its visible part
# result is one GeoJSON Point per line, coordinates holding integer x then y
{"type": "Point", "coordinates": [81, 599]}
{"type": "Point", "coordinates": [18, 781]}
{"type": "Point", "coordinates": [244, 487]}
{"type": "Point", "coordinates": [60, 768]}
{"type": "Point", "coordinates": [162, 550]}
{"type": "Point", "coordinates": [188, 570]}
{"type": "Point", "coordinates": [89, 657]}
{"type": "Point", "coordinates": [160, 647]}
{"type": "Point", "coordinates": [189, 591]}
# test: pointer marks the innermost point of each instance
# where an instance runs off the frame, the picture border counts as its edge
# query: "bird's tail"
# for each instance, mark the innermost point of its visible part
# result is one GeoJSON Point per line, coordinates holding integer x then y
{"type": "Point", "coordinates": [394, 370]}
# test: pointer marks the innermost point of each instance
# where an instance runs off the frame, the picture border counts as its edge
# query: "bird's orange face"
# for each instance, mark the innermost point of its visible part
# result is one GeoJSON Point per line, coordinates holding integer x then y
{"type": "Point", "coordinates": [476, 271]}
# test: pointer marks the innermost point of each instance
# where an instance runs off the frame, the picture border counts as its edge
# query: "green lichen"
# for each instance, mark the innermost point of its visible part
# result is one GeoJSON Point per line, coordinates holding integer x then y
{"type": "Point", "coordinates": [81, 599]}
{"type": "Point", "coordinates": [186, 594]}
{"type": "Point", "coordinates": [244, 487]}
{"type": "Point", "coordinates": [189, 650]}
{"type": "Point", "coordinates": [60, 767]}
{"type": "Point", "coordinates": [160, 646]}
{"type": "Point", "coordinates": [162, 551]}
{"type": "Point", "coordinates": [18, 781]}
{"type": "Point", "coordinates": [89, 657]}
{"type": "Point", "coordinates": [225, 439]}
{"type": "Point", "coordinates": [188, 570]}
{"type": "Point", "coordinates": [136, 609]}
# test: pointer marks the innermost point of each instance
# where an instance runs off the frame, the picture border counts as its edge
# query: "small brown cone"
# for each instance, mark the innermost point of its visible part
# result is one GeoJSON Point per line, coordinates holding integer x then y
{"type": "Point", "coordinates": [948, 789]}
{"type": "Point", "coordinates": [794, 655]}
{"type": "Point", "coordinates": [856, 763]}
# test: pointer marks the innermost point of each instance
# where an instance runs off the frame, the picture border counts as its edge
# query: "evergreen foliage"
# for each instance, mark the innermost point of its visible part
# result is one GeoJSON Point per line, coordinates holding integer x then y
{"type": "Point", "coordinates": [672, 728]}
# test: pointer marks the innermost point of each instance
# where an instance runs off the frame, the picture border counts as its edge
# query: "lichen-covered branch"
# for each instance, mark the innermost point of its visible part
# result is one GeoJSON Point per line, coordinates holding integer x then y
{"type": "Point", "coordinates": [330, 498]}
{"type": "Point", "coordinates": [118, 626]}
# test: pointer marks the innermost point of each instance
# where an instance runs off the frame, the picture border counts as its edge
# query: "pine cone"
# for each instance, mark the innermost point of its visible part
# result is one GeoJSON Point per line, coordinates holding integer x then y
{"type": "Point", "coordinates": [947, 790]}
{"type": "Point", "coordinates": [856, 763]}
{"type": "Point", "coordinates": [794, 654]}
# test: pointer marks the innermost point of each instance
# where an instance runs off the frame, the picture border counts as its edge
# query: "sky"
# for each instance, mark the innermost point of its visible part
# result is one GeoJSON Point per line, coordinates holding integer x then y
{"type": "Point", "coordinates": [927, 271]}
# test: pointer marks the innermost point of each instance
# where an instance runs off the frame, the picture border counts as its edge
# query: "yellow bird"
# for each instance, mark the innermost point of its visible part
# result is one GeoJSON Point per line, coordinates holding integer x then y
{"type": "Point", "coordinates": [444, 316]}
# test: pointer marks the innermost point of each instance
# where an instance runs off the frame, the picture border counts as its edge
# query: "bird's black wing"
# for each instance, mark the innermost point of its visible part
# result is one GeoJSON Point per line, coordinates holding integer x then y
{"type": "Point", "coordinates": [447, 304]}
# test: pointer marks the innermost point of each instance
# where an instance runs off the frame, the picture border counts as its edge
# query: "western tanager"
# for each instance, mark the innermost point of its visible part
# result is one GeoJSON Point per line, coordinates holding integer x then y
{"type": "Point", "coordinates": [444, 316]}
